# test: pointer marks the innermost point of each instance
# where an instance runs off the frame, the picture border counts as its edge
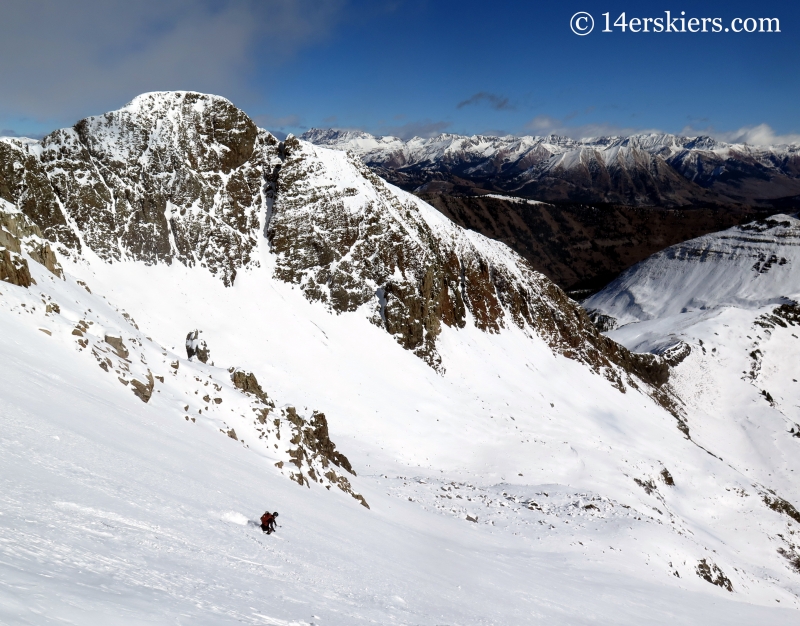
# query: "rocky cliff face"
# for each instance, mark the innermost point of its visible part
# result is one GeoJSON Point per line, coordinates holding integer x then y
{"type": "Point", "coordinates": [17, 235]}
{"type": "Point", "coordinates": [170, 177]}
{"type": "Point", "coordinates": [24, 183]}
{"type": "Point", "coordinates": [348, 239]}
{"type": "Point", "coordinates": [189, 178]}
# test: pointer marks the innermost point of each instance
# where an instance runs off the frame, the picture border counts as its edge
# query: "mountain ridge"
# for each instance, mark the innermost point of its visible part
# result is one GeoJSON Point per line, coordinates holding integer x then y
{"type": "Point", "coordinates": [189, 178]}
{"type": "Point", "coordinates": [749, 266]}
{"type": "Point", "coordinates": [639, 170]}
{"type": "Point", "coordinates": [583, 247]}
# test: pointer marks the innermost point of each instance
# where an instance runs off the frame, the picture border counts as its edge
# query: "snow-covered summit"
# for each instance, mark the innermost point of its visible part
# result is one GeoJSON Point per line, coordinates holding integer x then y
{"type": "Point", "coordinates": [182, 177]}
{"type": "Point", "coordinates": [170, 177]}
{"type": "Point", "coordinates": [154, 100]}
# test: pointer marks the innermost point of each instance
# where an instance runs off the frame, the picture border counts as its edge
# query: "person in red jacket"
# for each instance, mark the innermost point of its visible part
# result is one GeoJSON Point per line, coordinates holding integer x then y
{"type": "Point", "coordinates": [268, 522]}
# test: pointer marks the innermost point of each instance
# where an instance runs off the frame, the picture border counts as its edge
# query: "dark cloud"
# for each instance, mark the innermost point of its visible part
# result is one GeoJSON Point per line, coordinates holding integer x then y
{"type": "Point", "coordinates": [271, 122]}
{"type": "Point", "coordinates": [498, 103]}
{"type": "Point", "coordinates": [494, 132]}
{"type": "Point", "coordinates": [60, 60]}
{"type": "Point", "coordinates": [10, 132]}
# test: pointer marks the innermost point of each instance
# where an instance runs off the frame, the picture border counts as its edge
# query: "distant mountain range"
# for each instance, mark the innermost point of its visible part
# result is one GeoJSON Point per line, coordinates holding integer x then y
{"type": "Point", "coordinates": [640, 170]}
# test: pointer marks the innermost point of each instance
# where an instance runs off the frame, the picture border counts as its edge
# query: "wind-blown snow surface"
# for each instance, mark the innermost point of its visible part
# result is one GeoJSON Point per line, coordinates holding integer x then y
{"type": "Point", "coordinates": [116, 511]}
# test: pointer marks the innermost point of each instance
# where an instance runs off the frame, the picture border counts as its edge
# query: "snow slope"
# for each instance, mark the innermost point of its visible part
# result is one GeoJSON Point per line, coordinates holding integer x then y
{"type": "Point", "coordinates": [726, 306]}
{"type": "Point", "coordinates": [117, 511]}
{"type": "Point", "coordinates": [749, 266]}
{"type": "Point", "coordinates": [521, 482]}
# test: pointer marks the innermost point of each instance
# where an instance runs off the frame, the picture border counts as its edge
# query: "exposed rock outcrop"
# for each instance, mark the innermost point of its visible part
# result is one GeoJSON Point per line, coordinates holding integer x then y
{"type": "Point", "coordinates": [675, 354]}
{"type": "Point", "coordinates": [119, 346]}
{"type": "Point", "coordinates": [186, 177]}
{"type": "Point", "coordinates": [14, 269]}
{"type": "Point", "coordinates": [247, 382]}
{"type": "Point", "coordinates": [170, 177]}
{"type": "Point", "coordinates": [711, 573]}
{"type": "Point", "coordinates": [144, 391]}
{"type": "Point", "coordinates": [603, 323]}
{"type": "Point", "coordinates": [195, 346]}
{"type": "Point", "coordinates": [310, 449]}
{"type": "Point", "coordinates": [784, 315]}
{"type": "Point", "coordinates": [17, 235]}
{"type": "Point", "coordinates": [315, 452]}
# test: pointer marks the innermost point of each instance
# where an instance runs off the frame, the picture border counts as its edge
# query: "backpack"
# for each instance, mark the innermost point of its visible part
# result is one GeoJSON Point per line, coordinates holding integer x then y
{"type": "Point", "coordinates": [266, 518]}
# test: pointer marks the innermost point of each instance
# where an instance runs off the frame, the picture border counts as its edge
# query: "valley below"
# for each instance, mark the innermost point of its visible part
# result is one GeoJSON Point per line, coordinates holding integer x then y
{"type": "Point", "coordinates": [582, 248]}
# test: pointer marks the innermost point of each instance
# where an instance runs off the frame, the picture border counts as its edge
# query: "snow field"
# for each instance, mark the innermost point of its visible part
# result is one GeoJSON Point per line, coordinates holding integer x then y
{"type": "Point", "coordinates": [114, 512]}
{"type": "Point", "coordinates": [136, 513]}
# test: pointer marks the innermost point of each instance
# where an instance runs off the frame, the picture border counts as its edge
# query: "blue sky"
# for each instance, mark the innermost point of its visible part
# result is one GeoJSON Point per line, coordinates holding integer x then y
{"type": "Point", "coordinates": [408, 67]}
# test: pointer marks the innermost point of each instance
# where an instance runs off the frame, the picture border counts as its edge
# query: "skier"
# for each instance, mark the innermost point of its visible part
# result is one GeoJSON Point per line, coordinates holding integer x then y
{"type": "Point", "coordinates": [268, 522]}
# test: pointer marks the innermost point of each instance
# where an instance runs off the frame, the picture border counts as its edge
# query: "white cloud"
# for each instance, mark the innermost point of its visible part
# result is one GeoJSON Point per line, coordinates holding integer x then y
{"type": "Point", "coordinates": [421, 128]}
{"type": "Point", "coordinates": [546, 125]}
{"type": "Point", "coordinates": [760, 135]}
{"type": "Point", "coordinates": [62, 60]}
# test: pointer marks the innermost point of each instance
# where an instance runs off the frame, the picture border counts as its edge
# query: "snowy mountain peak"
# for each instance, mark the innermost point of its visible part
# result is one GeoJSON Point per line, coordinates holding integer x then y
{"type": "Point", "coordinates": [181, 177]}
{"type": "Point", "coordinates": [748, 266]}
{"type": "Point", "coordinates": [173, 176]}
{"type": "Point", "coordinates": [207, 131]}
{"type": "Point", "coordinates": [152, 101]}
